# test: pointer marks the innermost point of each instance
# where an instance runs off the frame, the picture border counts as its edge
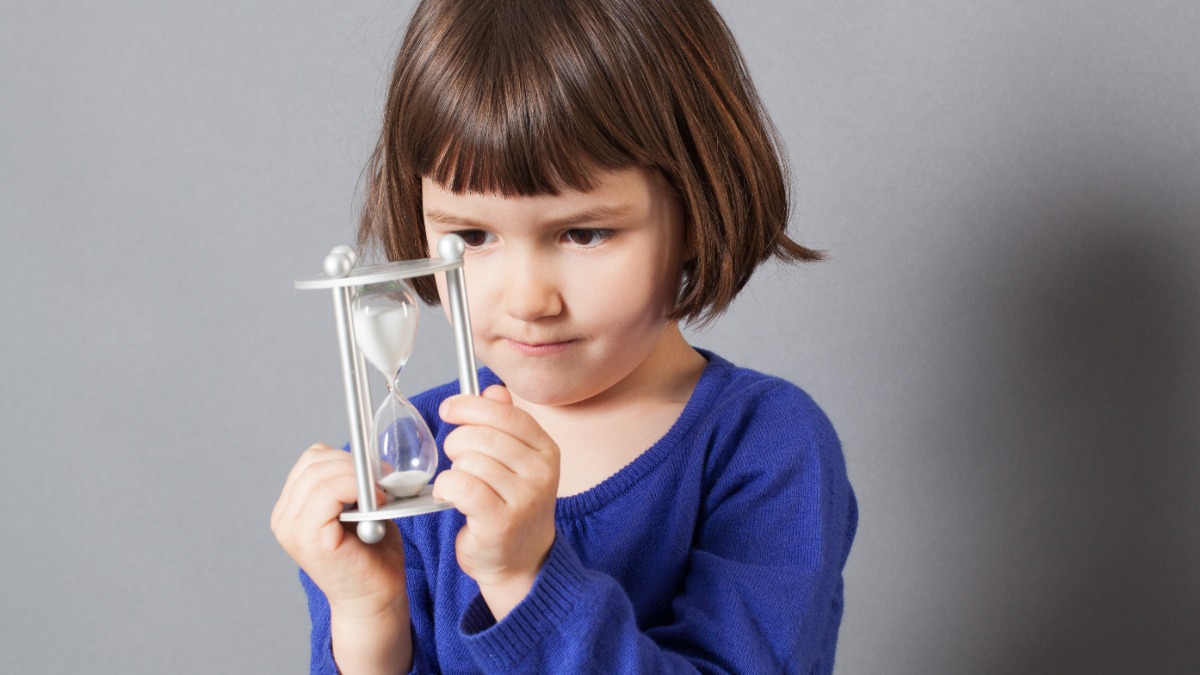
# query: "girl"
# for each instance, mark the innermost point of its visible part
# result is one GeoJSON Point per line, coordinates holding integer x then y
{"type": "Point", "coordinates": [623, 501]}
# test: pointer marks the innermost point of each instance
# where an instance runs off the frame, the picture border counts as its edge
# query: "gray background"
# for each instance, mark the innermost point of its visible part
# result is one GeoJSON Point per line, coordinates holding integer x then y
{"type": "Point", "coordinates": [1006, 337]}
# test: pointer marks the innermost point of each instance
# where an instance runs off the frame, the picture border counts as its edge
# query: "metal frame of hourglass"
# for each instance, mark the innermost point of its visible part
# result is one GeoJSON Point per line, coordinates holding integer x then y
{"type": "Point", "coordinates": [342, 276]}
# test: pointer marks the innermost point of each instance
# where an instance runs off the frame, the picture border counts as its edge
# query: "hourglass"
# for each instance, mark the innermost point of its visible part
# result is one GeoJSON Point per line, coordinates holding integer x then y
{"type": "Point", "coordinates": [395, 450]}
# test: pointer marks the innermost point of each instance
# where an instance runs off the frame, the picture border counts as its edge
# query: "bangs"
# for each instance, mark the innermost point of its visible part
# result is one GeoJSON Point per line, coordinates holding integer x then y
{"type": "Point", "coordinates": [520, 102]}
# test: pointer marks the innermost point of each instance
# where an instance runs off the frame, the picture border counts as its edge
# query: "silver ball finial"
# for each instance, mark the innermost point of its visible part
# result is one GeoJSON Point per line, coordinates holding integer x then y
{"type": "Point", "coordinates": [347, 251]}
{"type": "Point", "coordinates": [337, 264]}
{"type": "Point", "coordinates": [371, 531]}
{"type": "Point", "coordinates": [451, 247]}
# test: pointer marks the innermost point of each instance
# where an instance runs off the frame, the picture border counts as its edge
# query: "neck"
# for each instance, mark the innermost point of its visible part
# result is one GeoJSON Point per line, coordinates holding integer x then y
{"type": "Point", "coordinates": [598, 436]}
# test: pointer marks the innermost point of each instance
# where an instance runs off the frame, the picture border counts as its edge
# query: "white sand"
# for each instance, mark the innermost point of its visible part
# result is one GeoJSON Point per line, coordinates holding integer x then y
{"type": "Point", "coordinates": [385, 335]}
{"type": "Point", "coordinates": [403, 484]}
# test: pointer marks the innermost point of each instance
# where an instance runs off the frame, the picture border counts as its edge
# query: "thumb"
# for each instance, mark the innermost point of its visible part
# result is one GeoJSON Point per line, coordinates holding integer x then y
{"type": "Point", "coordinates": [498, 392]}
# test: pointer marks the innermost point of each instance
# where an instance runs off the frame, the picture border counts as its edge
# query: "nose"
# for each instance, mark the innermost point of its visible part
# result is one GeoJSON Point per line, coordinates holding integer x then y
{"type": "Point", "coordinates": [531, 290]}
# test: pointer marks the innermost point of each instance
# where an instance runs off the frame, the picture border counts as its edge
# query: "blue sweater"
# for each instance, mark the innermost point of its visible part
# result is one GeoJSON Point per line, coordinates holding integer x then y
{"type": "Point", "coordinates": [719, 549]}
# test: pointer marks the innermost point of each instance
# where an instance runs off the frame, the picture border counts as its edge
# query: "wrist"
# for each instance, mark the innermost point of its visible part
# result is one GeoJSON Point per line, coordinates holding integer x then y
{"type": "Point", "coordinates": [503, 597]}
{"type": "Point", "coordinates": [366, 610]}
{"type": "Point", "coordinates": [373, 642]}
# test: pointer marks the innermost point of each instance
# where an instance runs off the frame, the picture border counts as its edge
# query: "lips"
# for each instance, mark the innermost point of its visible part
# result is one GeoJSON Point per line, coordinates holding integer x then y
{"type": "Point", "coordinates": [541, 347]}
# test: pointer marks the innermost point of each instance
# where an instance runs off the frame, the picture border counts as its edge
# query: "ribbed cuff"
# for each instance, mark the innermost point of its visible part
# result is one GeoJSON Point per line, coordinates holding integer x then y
{"type": "Point", "coordinates": [501, 646]}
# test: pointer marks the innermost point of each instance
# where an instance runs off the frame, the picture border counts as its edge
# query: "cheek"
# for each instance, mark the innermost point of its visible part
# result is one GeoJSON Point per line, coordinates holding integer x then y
{"type": "Point", "coordinates": [636, 294]}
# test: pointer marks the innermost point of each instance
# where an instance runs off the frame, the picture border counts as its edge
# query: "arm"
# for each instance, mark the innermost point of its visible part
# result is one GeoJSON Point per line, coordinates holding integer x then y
{"type": "Point", "coordinates": [503, 479]}
{"type": "Point", "coordinates": [362, 605]}
{"type": "Point", "coordinates": [347, 645]}
{"type": "Point", "coordinates": [372, 644]}
{"type": "Point", "coordinates": [762, 592]}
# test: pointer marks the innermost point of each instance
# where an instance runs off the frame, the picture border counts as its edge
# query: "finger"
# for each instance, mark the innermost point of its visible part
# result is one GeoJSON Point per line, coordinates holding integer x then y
{"type": "Point", "coordinates": [501, 479]}
{"type": "Point", "coordinates": [312, 528]}
{"type": "Point", "coordinates": [498, 392]}
{"type": "Point", "coordinates": [477, 410]}
{"type": "Point", "coordinates": [320, 490]}
{"type": "Point", "coordinates": [505, 448]}
{"type": "Point", "coordinates": [343, 463]}
{"type": "Point", "coordinates": [470, 495]}
{"type": "Point", "coordinates": [315, 464]}
{"type": "Point", "coordinates": [308, 505]}
{"type": "Point", "coordinates": [315, 453]}
{"type": "Point", "coordinates": [519, 473]}
{"type": "Point", "coordinates": [318, 518]}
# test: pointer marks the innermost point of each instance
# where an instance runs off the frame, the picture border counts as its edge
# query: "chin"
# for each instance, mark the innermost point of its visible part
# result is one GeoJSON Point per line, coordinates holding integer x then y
{"type": "Point", "coordinates": [546, 395]}
{"type": "Point", "coordinates": [547, 390]}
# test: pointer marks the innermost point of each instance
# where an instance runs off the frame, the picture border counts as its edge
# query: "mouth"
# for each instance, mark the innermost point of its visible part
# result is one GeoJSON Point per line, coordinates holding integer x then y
{"type": "Point", "coordinates": [540, 348]}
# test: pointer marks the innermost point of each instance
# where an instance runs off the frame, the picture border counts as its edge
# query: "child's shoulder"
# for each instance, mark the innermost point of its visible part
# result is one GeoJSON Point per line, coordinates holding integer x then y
{"type": "Point", "coordinates": [763, 430]}
{"type": "Point", "coordinates": [734, 392]}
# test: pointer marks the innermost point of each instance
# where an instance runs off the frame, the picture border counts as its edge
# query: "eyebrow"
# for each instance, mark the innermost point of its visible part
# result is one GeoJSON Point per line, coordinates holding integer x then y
{"type": "Point", "coordinates": [589, 215]}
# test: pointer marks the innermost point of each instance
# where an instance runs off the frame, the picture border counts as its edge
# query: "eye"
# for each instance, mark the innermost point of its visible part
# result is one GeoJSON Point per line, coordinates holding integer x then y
{"type": "Point", "coordinates": [587, 237]}
{"type": "Point", "coordinates": [475, 238]}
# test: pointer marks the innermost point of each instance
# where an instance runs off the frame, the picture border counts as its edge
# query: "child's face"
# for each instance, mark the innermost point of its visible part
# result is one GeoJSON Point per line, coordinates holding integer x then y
{"type": "Point", "coordinates": [568, 294]}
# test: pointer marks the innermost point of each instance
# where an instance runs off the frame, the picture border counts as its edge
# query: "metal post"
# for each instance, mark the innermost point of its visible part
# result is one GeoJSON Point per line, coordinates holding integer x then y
{"type": "Point", "coordinates": [337, 265]}
{"type": "Point", "coordinates": [451, 249]}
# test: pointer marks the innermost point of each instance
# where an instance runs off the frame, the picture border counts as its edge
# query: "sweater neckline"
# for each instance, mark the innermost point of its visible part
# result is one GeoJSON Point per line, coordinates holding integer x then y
{"type": "Point", "coordinates": [604, 492]}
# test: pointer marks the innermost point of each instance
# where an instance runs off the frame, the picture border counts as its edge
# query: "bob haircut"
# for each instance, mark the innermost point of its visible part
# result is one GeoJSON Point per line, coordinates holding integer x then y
{"type": "Point", "coordinates": [531, 97]}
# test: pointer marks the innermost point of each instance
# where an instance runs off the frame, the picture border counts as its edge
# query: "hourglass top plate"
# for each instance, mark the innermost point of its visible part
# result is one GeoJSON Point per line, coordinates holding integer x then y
{"type": "Point", "coordinates": [373, 274]}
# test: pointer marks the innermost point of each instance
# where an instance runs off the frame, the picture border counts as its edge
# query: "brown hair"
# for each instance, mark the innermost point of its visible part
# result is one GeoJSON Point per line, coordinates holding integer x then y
{"type": "Point", "coordinates": [530, 97]}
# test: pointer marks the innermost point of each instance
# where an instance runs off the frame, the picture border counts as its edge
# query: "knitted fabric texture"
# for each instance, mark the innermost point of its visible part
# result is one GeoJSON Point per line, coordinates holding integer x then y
{"type": "Point", "coordinates": [719, 549]}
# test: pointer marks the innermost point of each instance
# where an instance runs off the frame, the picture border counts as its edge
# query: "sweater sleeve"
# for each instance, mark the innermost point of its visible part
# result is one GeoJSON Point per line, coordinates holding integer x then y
{"type": "Point", "coordinates": [763, 591]}
{"type": "Point", "coordinates": [321, 659]}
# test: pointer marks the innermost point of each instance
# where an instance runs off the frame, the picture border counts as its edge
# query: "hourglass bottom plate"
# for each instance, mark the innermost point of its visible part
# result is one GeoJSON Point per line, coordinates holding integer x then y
{"type": "Point", "coordinates": [400, 508]}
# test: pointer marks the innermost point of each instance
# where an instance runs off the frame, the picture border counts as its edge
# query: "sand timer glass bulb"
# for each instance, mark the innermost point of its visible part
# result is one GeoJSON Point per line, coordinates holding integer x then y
{"type": "Point", "coordinates": [385, 325]}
